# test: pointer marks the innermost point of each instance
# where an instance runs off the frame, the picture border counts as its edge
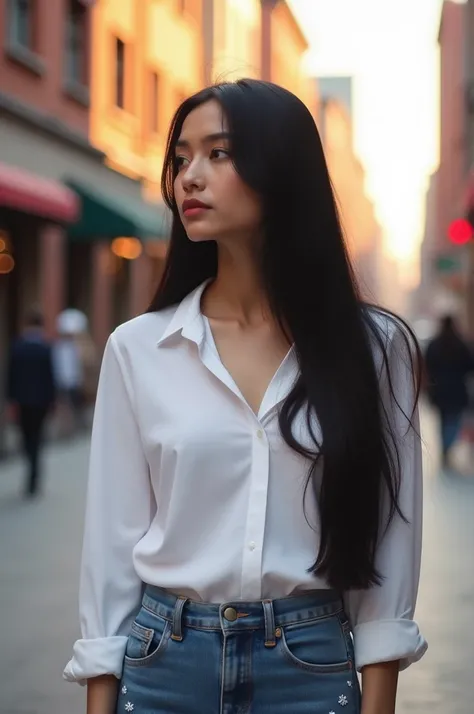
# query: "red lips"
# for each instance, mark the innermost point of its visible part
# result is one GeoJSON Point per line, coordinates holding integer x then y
{"type": "Point", "coordinates": [192, 203]}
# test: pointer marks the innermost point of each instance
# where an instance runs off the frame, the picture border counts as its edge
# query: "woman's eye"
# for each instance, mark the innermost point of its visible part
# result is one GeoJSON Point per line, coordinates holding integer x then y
{"type": "Point", "coordinates": [219, 154]}
{"type": "Point", "coordinates": [180, 161]}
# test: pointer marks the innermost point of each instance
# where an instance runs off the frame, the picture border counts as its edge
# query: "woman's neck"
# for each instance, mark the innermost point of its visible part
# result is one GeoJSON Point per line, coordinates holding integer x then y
{"type": "Point", "coordinates": [237, 292]}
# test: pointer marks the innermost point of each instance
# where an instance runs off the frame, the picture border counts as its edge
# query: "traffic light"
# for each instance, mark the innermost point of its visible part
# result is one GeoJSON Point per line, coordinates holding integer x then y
{"type": "Point", "coordinates": [460, 231]}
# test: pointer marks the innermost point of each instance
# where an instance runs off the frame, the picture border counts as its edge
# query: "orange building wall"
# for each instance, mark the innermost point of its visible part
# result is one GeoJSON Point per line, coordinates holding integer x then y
{"type": "Point", "coordinates": [159, 38]}
{"type": "Point", "coordinates": [357, 211]}
{"type": "Point", "coordinates": [235, 39]}
{"type": "Point", "coordinates": [289, 46]}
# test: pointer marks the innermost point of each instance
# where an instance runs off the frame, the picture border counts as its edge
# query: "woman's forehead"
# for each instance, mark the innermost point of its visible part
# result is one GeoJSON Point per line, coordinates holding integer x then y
{"type": "Point", "coordinates": [205, 120]}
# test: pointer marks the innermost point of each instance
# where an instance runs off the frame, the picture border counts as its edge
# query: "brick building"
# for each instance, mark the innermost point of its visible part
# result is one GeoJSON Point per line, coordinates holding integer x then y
{"type": "Point", "coordinates": [46, 156]}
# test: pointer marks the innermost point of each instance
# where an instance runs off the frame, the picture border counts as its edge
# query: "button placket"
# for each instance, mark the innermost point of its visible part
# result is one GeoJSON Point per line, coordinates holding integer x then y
{"type": "Point", "coordinates": [256, 514]}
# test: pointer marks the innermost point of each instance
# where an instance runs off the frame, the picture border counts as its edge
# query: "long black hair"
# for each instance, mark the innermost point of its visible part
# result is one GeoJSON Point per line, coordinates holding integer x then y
{"type": "Point", "coordinates": [314, 296]}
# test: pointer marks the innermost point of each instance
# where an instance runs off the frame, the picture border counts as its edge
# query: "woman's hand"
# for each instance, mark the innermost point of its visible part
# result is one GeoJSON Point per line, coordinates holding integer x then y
{"type": "Point", "coordinates": [379, 688]}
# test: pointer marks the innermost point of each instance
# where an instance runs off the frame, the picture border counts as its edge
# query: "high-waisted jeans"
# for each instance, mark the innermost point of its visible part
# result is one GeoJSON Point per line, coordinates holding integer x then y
{"type": "Point", "coordinates": [288, 656]}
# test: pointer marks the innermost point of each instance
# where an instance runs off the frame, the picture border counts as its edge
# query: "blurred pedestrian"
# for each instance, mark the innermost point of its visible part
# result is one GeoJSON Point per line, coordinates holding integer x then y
{"type": "Point", "coordinates": [212, 579]}
{"type": "Point", "coordinates": [31, 392]}
{"type": "Point", "coordinates": [449, 361]}
{"type": "Point", "coordinates": [69, 377]}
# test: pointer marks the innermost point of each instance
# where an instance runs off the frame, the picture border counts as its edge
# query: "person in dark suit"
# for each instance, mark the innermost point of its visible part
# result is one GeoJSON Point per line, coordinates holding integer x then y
{"type": "Point", "coordinates": [31, 391]}
{"type": "Point", "coordinates": [449, 362]}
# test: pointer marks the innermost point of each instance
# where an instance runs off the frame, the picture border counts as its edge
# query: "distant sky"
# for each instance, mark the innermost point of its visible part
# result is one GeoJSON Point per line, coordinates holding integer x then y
{"type": "Point", "coordinates": [390, 48]}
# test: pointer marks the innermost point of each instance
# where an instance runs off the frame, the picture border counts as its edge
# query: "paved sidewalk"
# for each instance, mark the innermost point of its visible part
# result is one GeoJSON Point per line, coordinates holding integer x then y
{"type": "Point", "coordinates": [39, 561]}
{"type": "Point", "coordinates": [441, 683]}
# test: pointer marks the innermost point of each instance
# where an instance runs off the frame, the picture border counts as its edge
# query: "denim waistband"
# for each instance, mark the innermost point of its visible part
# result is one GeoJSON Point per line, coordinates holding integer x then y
{"type": "Point", "coordinates": [238, 615]}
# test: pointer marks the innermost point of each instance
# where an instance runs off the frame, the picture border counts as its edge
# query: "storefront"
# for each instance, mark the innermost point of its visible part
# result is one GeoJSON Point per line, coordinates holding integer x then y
{"type": "Point", "coordinates": [73, 233]}
{"type": "Point", "coordinates": [111, 206]}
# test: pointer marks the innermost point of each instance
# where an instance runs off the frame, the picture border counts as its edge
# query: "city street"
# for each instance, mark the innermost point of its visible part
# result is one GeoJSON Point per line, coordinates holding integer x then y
{"type": "Point", "coordinates": [39, 554]}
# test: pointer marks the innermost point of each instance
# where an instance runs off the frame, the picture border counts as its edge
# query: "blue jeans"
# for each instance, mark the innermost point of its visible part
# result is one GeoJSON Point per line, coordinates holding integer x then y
{"type": "Point", "coordinates": [289, 656]}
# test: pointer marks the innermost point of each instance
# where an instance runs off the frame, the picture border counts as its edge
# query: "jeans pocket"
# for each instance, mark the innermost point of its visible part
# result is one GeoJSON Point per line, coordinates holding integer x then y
{"type": "Point", "coordinates": [147, 643]}
{"type": "Point", "coordinates": [316, 645]}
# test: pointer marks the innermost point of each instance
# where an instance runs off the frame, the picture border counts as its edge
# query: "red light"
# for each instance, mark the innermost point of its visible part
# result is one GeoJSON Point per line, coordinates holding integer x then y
{"type": "Point", "coordinates": [460, 231]}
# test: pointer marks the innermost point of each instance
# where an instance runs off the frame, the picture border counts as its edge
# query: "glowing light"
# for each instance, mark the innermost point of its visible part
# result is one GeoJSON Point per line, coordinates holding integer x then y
{"type": "Point", "coordinates": [3, 245]}
{"type": "Point", "coordinates": [6, 263]}
{"type": "Point", "coordinates": [127, 248]}
{"type": "Point", "coordinates": [460, 231]}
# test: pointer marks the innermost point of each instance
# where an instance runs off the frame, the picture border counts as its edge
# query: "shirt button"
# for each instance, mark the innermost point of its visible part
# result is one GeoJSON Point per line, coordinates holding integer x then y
{"type": "Point", "coordinates": [260, 434]}
{"type": "Point", "coordinates": [252, 545]}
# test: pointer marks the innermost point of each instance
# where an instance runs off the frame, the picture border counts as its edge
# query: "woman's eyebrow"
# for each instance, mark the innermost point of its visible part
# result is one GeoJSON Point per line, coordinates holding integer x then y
{"type": "Point", "coordinates": [184, 144]}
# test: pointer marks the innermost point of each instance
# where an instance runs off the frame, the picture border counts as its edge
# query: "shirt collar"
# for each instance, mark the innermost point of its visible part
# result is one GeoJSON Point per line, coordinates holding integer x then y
{"type": "Point", "coordinates": [187, 319]}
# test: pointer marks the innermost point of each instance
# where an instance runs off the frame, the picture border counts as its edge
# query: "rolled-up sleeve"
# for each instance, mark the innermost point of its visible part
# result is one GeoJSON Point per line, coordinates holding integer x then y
{"type": "Point", "coordinates": [382, 617]}
{"type": "Point", "coordinates": [119, 510]}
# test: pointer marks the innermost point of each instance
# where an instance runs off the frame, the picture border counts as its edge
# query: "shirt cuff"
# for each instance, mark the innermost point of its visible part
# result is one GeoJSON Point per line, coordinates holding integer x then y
{"type": "Point", "coordinates": [387, 641]}
{"type": "Point", "coordinates": [93, 658]}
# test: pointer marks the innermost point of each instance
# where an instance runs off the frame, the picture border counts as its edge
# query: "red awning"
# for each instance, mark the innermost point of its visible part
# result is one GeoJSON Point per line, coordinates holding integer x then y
{"type": "Point", "coordinates": [27, 192]}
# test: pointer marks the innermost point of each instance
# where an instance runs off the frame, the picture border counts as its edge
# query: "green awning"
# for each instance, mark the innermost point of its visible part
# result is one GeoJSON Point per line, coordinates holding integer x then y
{"type": "Point", "coordinates": [105, 217]}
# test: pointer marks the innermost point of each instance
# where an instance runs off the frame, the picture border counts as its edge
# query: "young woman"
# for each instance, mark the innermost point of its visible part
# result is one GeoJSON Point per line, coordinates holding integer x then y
{"type": "Point", "coordinates": [253, 528]}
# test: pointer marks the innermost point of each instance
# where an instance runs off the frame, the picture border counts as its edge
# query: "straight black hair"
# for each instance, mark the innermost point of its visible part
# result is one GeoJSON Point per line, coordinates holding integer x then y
{"type": "Point", "coordinates": [314, 296]}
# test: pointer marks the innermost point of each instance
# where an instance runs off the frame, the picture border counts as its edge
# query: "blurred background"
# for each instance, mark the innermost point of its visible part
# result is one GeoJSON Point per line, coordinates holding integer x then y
{"type": "Point", "coordinates": [87, 91]}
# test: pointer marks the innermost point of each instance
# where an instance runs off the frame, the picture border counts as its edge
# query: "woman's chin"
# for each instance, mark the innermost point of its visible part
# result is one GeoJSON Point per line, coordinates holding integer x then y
{"type": "Point", "coordinates": [196, 235]}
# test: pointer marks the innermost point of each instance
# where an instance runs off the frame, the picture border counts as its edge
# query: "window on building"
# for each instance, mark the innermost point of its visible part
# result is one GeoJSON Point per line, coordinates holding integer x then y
{"type": "Point", "coordinates": [155, 102]}
{"type": "Point", "coordinates": [120, 73]}
{"type": "Point", "coordinates": [76, 42]}
{"type": "Point", "coordinates": [22, 23]}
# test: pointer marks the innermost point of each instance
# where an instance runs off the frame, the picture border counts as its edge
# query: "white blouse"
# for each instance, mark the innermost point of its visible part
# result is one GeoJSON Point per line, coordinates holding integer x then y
{"type": "Point", "coordinates": [191, 491]}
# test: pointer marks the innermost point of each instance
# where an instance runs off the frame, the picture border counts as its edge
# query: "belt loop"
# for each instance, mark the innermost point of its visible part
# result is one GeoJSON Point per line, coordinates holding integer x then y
{"type": "Point", "coordinates": [177, 632]}
{"type": "Point", "coordinates": [269, 616]}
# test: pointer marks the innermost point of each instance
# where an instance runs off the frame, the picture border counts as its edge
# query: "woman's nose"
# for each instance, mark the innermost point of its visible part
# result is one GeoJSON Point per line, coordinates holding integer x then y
{"type": "Point", "coordinates": [192, 178]}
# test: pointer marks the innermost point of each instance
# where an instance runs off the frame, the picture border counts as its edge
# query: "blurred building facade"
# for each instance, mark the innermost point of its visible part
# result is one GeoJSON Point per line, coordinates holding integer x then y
{"type": "Point", "coordinates": [363, 232]}
{"type": "Point", "coordinates": [62, 204]}
{"type": "Point", "coordinates": [447, 250]}
{"type": "Point", "coordinates": [423, 300]}
{"type": "Point", "coordinates": [146, 58]}
{"type": "Point", "coordinates": [283, 49]}
{"type": "Point", "coordinates": [43, 136]}
{"type": "Point", "coordinates": [232, 35]}
{"type": "Point", "coordinates": [469, 133]}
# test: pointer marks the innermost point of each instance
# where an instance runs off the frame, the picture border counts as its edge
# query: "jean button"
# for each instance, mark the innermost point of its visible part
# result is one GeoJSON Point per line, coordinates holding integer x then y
{"type": "Point", "coordinates": [230, 614]}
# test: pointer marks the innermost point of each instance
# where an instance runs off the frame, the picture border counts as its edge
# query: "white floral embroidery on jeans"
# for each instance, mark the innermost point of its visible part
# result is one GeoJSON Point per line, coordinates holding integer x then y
{"type": "Point", "coordinates": [124, 689]}
{"type": "Point", "coordinates": [343, 700]}
{"type": "Point", "coordinates": [129, 707]}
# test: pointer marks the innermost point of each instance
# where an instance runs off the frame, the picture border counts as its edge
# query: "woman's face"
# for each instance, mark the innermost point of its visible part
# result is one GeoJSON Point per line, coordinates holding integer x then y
{"type": "Point", "coordinates": [213, 201]}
